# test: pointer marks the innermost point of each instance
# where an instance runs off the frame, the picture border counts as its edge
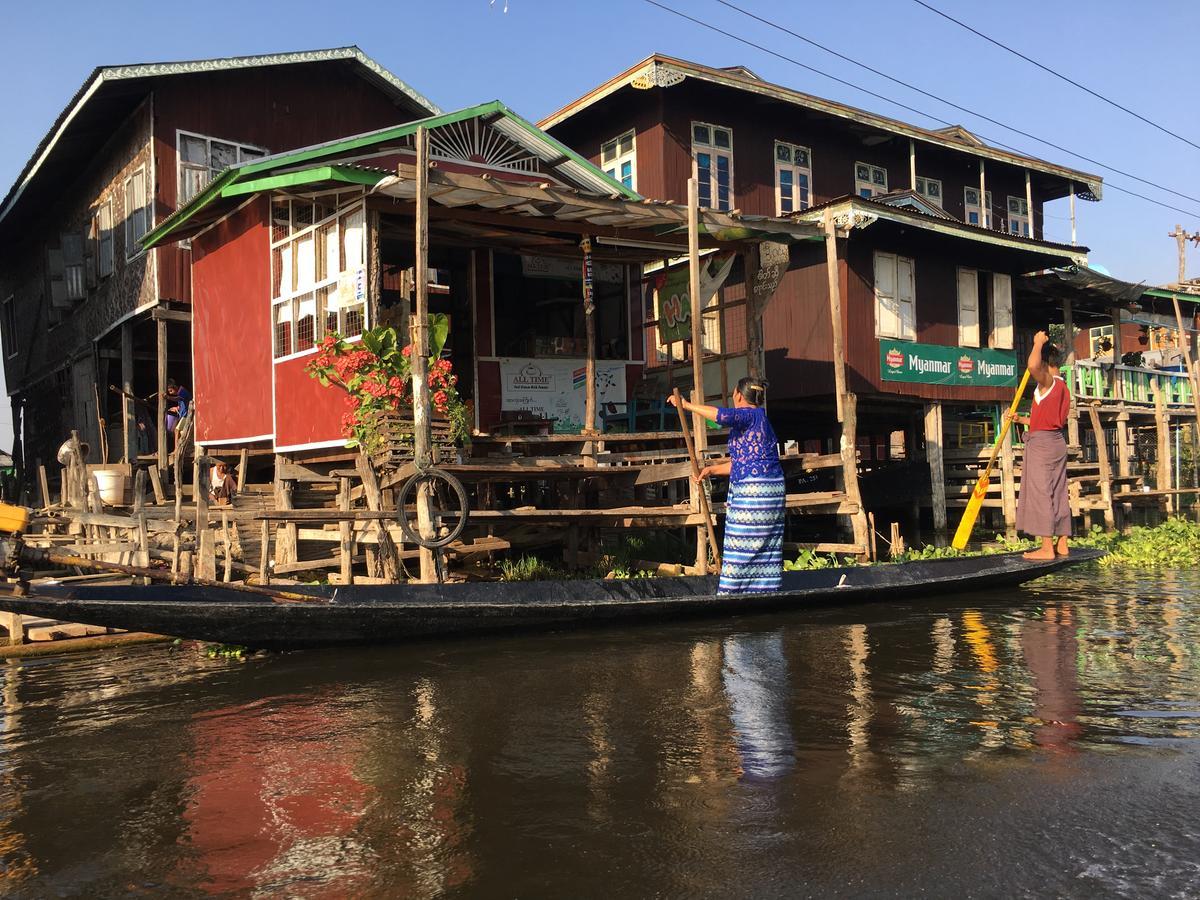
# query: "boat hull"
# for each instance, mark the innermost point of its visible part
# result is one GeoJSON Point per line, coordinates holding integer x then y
{"type": "Point", "coordinates": [384, 613]}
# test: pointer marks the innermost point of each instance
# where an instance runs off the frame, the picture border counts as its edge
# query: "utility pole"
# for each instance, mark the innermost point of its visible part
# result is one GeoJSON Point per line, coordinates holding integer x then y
{"type": "Point", "coordinates": [1181, 239]}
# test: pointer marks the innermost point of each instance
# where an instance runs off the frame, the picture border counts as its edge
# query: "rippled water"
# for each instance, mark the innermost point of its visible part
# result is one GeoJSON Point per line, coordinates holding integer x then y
{"type": "Point", "coordinates": [1042, 741]}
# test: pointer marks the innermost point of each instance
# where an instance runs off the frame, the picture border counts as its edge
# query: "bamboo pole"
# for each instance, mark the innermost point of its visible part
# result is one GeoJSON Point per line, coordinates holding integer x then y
{"type": "Point", "coordinates": [835, 313]}
{"type": "Point", "coordinates": [422, 434]}
{"type": "Point", "coordinates": [697, 323]}
{"type": "Point", "coordinates": [703, 497]}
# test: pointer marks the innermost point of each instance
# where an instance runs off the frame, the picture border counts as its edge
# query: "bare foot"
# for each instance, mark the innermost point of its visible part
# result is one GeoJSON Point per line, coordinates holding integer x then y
{"type": "Point", "coordinates": [1061, 547]}
{"type": "Point", "coordinates": [1039, 555]}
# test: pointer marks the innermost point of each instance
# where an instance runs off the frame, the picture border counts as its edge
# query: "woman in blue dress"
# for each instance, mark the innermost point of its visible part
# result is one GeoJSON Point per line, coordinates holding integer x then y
{"type": "Point", "coordinates": [752, 559]}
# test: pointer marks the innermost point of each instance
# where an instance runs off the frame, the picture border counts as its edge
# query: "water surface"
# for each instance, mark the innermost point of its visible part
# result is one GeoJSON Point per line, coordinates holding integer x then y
{"type": "Point", "coordinates": [1039, 741]}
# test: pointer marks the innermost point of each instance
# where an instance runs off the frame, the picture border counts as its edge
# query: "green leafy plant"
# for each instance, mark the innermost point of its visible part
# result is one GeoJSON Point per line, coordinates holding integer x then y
{"type": "Point", "coordinates": [810, 559]}
{"type": "Point", "coordinates": [376, 373]}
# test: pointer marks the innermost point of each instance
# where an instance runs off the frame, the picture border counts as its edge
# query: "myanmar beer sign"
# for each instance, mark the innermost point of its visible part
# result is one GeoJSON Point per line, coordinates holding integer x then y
{"type": "Point", "coordinates": [955, 366]}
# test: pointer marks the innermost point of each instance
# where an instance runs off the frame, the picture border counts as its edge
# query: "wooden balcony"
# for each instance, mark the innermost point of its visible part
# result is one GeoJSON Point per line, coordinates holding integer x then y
{"type": "Point", "coordinates": [1090, 380]}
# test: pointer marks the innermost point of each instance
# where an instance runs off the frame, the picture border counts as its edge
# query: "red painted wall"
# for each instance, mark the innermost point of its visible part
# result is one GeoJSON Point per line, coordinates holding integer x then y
{"type": "Point", "coordinates": [231, 327]}
{"type": "Point", "coordinates": [306, 412]}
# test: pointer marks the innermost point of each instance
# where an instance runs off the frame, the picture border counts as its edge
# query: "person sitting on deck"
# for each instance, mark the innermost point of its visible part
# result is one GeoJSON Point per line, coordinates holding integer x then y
{"type": "Point", "coordinates": [752, 558]}
{"type": "Point", "coordinates": [223, 485]}
{"type": "Point", "coordinates": [1043, 508]}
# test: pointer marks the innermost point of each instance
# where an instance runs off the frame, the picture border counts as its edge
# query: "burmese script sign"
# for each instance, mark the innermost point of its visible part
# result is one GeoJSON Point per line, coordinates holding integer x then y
{"type": "Point", "coordinates": [951, 366]}
{"type": "Point", "coordinates": [555, 388]}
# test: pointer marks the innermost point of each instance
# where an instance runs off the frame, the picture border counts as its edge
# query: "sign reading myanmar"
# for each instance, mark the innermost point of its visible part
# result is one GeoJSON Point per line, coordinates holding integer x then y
{"type": "Point", "coordinates": [954, 366]}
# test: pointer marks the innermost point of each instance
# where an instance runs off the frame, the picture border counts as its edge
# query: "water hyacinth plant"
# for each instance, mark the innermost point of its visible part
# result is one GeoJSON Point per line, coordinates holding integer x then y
{"type": "Point", "coordinates": [376, 373]}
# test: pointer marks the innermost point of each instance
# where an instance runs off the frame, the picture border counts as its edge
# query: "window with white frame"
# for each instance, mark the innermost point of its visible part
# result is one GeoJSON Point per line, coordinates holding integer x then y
{"type": "Point", "coordinates": [104, 238]}
{"type": "Point", "coordinates": [712, 148]}
{"type": "Point", "coordinates": [202, 158]}
{"type": "Point", "coordinates": [869, 181]}
{"type": "Point", "coordinates": [136, 212]}
{"type": "Point", "coordinates": [618, 159]}
{"type": "Point", "coordinates": [318, 271]}
{"type": "Point", "coordinates": [793, 178]}
{"type": "Point", "coordinates": [10, 326]}
{"type": "Point", "coordinates": [930, 189]}
{"type": "Point", "coordinates": [1018, 216]}
{"type": "Point", "coordinates": [1100, 340]}
{"type": "Point", "coordinates": [972, 214]}
{"type": "Point", "coordinates": [895, 297]}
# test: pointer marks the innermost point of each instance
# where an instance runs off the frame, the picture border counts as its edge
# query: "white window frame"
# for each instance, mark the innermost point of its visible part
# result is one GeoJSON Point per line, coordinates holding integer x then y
{"type": "Point", "coordinates": [901, 309]}
{"type": "Point", "coordinates": [1019, 221]}
{"type": "Point", "coordinates": [1096, 334]}
{"type": "Point", "coordinates": [613, 158]}
{"type": "Point", "coordinates": [9, 325]}
{"type": "Point", "coordinates": [786, 156]}
{"type": "Point", "coordinates": [708, 144]}
{"type": "Point", "coordinates": [874, 183]}
{"type": "Point", "coordinates": [923, 188]}
{"type": "Point", "coordinates": [133, 246]}
{"type": "Point", "coordinates": [182, 168]}
{"type": "Point", "coordinates": [314, 295]}
{"type": "Point", "coordinates": [105, 262]}
{"type": "Point", "coordinates": [968, 206]}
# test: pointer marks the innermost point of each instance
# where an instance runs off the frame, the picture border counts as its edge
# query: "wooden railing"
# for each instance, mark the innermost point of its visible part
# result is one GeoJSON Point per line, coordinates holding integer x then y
{"type": "Point", "coordinates": [1090, 380]}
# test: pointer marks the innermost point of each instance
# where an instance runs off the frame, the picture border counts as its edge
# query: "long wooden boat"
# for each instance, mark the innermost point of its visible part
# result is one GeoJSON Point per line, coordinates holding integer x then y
{"type": "Point", "coordinates": [382, 613]}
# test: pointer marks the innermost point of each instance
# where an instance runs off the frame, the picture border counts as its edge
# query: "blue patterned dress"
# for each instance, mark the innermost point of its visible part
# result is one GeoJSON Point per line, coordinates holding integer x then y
{"type": "Point", "coordinates": [752, 560]}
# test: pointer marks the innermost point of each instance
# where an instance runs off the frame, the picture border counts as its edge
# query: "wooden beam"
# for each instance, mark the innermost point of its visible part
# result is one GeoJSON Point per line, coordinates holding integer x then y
{"type": "Point", "coordinates": [128, 419]}
{"type": "Point", "coordinates": [833, 278]}
{"type": "Point", "coordinates": [937, 468]}
{"type": "Point", "coordinates": [161, 429]}
{"type": "Point", "coordinates": [422, 432]}
{"type": "Point", "coordinates": [1106, 479]}
{"type": "Point", "coordinates": [697, 313]}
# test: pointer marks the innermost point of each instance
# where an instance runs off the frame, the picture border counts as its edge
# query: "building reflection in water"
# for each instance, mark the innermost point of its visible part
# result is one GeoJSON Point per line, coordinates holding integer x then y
{"type": "Point", "coordinates": [860, 708]}
{"type": "Point", "coordinates": [1051, 650]}
{"type": "Point", "coordinates": [267, 807]}
{"type": "Point", "coordinates": [16, 863]}
{"type": "Point", "coordinates": [755, 678]}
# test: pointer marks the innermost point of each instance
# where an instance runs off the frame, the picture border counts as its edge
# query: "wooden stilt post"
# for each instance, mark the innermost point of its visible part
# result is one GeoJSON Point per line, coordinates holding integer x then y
{"type": "Point", "coordinates": [345, 534]}
{"type": "Point", "coordinates": [937, 466]}
{"type": "Point", "coordinates": [1008, 484]}
{"type": "Point", "coordinates": [387, 560]}
{"type": "Point", "coordinates": [139, 516]}
{"type": "Point", "coordinates": [1118, 388]}
{"type": "Point", "coordinates": [1069, 359]}
{"type": "Point", "coordinates": [1162, 424]}
{"type": "Point", "coordinates": [847, 403]}
{"type": "Point", "coordinates": [227, 540]}
{"type": "Point", "coordinates": [264, 554]}
{"type": "Point", "coordinates": [1124, 469]}
{"type": "Point", "coordinates": [285, 537]}
{"type": "Point", "coordinates": [1106, 492]}
{"type": "Point", "coordinates": [128, 420]}
{"type": "Point", "coordinates": [161, 428]}
{"type": "Point", "coordinates": [243, 466]}
{"type": "Point", "coordinates": [422, 432]}
{"type": "Point", "coordinates": [206, 551]}
{"type": "Point", "coordinates": [700, 439]}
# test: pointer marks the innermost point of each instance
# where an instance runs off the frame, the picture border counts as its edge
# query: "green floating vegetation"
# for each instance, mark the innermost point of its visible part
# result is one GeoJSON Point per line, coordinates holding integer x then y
{"type": "Point", "coordinates": [225, 651]}
{"type": "Point", "coordinates": [1175, 544]}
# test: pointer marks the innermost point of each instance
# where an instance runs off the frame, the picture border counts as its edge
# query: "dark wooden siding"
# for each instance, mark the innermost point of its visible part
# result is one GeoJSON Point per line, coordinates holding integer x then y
{"type": "Point", "coordinates": [279, 108]}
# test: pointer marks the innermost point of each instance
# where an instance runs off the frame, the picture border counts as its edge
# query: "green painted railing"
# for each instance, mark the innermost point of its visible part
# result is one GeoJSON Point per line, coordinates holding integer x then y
{"type": "Point", "coordinates": [1093, 381]}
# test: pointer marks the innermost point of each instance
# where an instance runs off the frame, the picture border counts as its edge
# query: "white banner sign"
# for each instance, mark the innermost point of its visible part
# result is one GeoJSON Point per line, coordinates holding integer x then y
{"type": "Point", "coordinates": [555, 389]}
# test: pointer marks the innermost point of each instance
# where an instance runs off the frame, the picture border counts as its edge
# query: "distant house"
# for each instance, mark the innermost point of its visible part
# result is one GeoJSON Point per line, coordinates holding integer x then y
{"type": "Point", "coordinates": [83, 305]}
{"type": "Point", "coordinates": [932, 226]}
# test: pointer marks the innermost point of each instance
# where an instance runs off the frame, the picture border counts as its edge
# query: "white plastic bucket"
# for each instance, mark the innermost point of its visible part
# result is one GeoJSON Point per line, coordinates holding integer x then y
{"type": "Point", "coordinates": [113, 486]}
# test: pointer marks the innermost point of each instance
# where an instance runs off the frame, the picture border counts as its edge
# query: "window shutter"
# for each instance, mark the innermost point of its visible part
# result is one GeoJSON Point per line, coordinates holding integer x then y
{"type": "Point", "coordinates": [1002, 311]}
{"type": "Point", "coordinates": [968, 308]}
{"type": "Point", "coordinates": [887, 308]}
{"type": "Point", "coordinates": [906, 295]}
{"type": "Point", "coordinates": [58, 283]}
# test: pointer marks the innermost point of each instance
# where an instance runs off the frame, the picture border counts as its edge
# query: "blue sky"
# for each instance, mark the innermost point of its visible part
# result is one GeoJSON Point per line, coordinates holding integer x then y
{"type": "Point", "coordinates": [541, 54]}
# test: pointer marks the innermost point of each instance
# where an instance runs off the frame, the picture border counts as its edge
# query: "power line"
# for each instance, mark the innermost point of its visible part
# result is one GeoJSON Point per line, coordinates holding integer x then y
{"type": "Point", "coordinates": [951, 103]}
{"type": "Point", "coordinates": [927, 115]}
{"type": "Point", "coordinates": [1057, 74]}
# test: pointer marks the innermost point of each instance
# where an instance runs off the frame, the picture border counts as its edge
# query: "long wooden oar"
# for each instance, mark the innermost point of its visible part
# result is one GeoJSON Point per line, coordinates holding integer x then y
{"type": "Point", "coordinates": [43, 556]}
{"type": "Point", "coordinates": [971, 513]}
{"type": "Point", "coordinates": [691, 449]}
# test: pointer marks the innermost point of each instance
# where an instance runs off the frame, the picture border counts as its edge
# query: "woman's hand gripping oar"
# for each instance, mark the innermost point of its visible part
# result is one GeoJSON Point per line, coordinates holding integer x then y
{"type": "Point", "coordinates": [971, 513]}
{"type": "Point", "coordinates": [704, 507]}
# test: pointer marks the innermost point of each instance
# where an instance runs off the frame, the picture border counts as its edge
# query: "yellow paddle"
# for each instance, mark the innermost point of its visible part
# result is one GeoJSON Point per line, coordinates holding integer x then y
{"type": "Point", "coordinates": [971, 513]}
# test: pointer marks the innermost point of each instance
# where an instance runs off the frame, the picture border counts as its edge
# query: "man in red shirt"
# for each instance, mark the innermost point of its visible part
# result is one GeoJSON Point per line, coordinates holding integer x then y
{"type": "Point", "coordinates": [1043, 508]}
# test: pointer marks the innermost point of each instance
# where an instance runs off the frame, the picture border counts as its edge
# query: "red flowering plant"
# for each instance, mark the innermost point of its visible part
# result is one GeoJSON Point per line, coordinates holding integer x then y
{"type": "Point", "coordinates": [376, 373]}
